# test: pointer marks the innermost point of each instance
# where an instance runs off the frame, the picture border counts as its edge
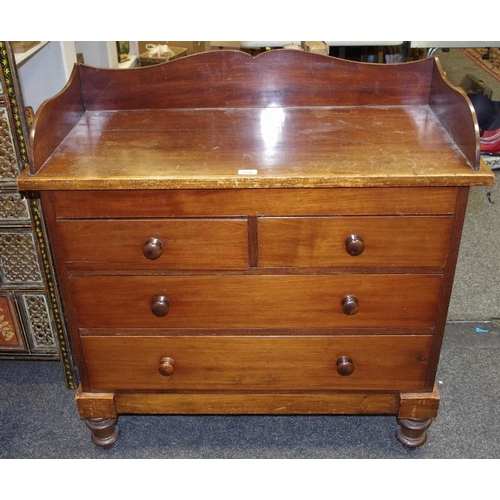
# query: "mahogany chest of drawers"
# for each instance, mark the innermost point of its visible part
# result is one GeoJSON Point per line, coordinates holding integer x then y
{"type": "Point", "coordinates": [256, 235]}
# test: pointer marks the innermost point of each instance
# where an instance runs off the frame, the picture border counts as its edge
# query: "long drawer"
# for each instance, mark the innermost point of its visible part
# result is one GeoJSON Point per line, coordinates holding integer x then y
{"type": "Point", "coordinates": [256, 301]}
{"type": "Point", "coordinates": [211, 363]}
{"type": "Point", "coordinates": [272, 202]}
{"type": "Point", "coordinates": [156, 243]}
{"type": "Point", "coordinates": [353, 241]}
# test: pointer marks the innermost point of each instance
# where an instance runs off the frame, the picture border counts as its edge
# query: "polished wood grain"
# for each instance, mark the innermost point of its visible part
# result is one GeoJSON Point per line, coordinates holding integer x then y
{"type": "Point", "coordinates": [99, 405]}
{"type": "Point", "coordinates": [449, 273]}
{"type": "Point", "coordinates": [423, 405]}
{"type": "Point", "coordinates": [282, 242]}
{"type": "Point", "coordinates": [104, 431]}
{"type": "Point", "coordinates": [419, 405]}
{"type": "Point", "coordinates": [254, 202]}
{"type": "Point", "coordinates": [387, 241]}
{"type": "Point", "coordinates": [185, 243]}
{"type": "Point", "coordinates": [199, 121]}
{"type": "Point", "coordinates": [253, 301]}
{"type": "Point", "coordinates": [256, 148]}
{"type": "Point", "coordinates": [275, 403]}
{"type": "Point", "coordinates": [413, 433]}
{"type": "Point", "coordinates": [448, 107]}
{"type": "Point", "coordinates": [256, 363]}
{"type": "Point", "coordinates": [235, 79]}
{"type": "Point", "coordinates": [54, 120]}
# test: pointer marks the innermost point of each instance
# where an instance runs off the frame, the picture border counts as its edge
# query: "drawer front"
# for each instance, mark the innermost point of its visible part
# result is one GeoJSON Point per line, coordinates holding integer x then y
{"type": "Point", "coordinates": [211, 363]}
{"type": "Point", "coordinates": [256, 301]}
{"type": "Point", "coordinates": [353, 241]}
{"type": "Point", "coordinates": [156, 244]}
{"type": "Point", "coordinates": [228, 202]}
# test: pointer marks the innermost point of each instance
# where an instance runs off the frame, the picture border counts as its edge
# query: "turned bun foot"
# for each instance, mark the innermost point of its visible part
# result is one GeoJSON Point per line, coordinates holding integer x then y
{"type": "Point", "coordinates": [412, 433]}
{"type": "Point", "coordinates": [104, 431]}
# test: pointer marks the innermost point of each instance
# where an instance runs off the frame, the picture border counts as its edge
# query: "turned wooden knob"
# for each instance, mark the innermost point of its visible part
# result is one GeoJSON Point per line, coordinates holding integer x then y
{"type": "Point", "coordinates": [345, 366]}
{"type": "Point", "coordinates": [152, 248]}
{"type": "Point", "coordinates": [350, 305]}
{"type": "Point", "coordinates": [160, 305]}
{"type": "Point", "coordinates": [354, 245]}
{"type": "Point", "coordinates": [167, 366]}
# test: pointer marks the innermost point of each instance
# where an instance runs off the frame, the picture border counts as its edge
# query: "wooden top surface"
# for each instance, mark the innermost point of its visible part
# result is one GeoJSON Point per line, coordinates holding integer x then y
{"type": "Point", "coordinates": [268, 147]}
{"type": "Point", "coordinates": [229, 146]}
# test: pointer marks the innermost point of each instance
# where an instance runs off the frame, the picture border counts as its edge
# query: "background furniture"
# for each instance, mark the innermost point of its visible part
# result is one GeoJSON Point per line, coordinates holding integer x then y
{"type": "Point", "coordinates": [432, 46]}
{"type": "Point", "coordinates": [31, 323]}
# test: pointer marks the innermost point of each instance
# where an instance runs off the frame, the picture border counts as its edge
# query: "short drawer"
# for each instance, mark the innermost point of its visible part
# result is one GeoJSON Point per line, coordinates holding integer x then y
{"type": "Point", "coordinates": [256, 301]}
{"type": "Point", "coordinates": [156, 243]}
{"type": "Point", "coordinates": [353, 241]}
{"type": "Point", "coordinates": [209, 363]}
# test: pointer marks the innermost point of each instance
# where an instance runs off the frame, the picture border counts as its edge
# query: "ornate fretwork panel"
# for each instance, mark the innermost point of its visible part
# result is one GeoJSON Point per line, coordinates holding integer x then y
{"type": "Point", "coordinates": [32, 325]}
{"type": "Point", "coordinates": [14, 209]}
{"type": "Point", "coordinates": [19, 265]}
{"type": "Point", "coordinates": [9, 169]}
{"type": "Point", "coordinates": [38, 324]}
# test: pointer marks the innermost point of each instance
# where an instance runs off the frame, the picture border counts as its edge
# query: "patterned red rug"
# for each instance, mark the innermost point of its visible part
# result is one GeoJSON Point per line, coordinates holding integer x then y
{"type": "Point", "coordinates": [490, 65]}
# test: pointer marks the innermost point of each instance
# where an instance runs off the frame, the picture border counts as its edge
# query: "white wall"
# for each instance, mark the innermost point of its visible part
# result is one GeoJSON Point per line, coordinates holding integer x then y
{"type": "Point", "coordinates": [94, 53]}
{"type": "Point", "coordinates": [103, 54]}
{"type": "Point", "coordinates": [44, 74]}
